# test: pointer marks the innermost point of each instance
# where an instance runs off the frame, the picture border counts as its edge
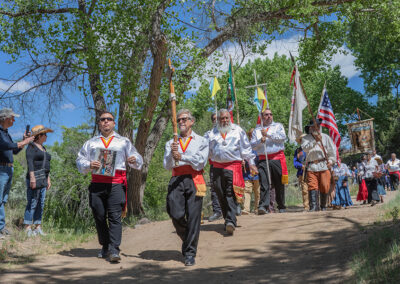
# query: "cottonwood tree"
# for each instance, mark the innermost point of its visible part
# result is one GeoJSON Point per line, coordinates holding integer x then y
{"type": "Point", "coordinates": [115, 52]}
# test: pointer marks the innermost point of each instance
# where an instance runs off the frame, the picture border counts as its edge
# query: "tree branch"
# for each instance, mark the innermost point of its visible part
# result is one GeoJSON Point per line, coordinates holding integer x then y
{"type": "Point", "coordinates": [38, 11]}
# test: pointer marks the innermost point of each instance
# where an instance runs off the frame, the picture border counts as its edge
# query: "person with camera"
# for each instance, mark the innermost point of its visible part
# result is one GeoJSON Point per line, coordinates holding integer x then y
{"type": "Point", "coordinates": [7, 149]}
{"type": "Point", "coordinates": [37, 180]}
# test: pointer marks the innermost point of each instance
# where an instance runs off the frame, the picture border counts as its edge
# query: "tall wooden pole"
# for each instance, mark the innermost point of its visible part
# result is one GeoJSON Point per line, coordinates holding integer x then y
{"type": "Point", "coordinates": [234, 91]}
{"type": "Point", "coordinates": [173, 102]}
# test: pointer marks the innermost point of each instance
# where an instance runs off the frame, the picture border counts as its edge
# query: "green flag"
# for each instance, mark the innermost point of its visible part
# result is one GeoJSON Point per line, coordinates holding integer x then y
{"type": "Point", "coordinates": [230, 83]}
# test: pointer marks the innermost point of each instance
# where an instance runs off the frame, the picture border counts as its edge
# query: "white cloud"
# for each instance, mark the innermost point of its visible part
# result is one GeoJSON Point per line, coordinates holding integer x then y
{"type": "Point", "coordinates": [68, 106]}
{"type": "Point", "coordinates": [280, 47]}
{"type": "Point", "coordinates": [20, 86]}
{"type": "Point", "coordinates": [346, 63]}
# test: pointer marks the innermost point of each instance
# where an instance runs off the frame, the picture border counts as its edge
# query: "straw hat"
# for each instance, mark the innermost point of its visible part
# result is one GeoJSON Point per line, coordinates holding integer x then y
{"type": "Point", "coordinates": [40, 129]}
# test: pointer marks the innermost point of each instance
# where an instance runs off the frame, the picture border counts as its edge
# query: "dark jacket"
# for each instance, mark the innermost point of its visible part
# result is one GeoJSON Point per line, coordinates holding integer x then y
{"type": "Point", "coordinates": [298, 162]}
{"type": "Point", "coordinates": [34, 159]}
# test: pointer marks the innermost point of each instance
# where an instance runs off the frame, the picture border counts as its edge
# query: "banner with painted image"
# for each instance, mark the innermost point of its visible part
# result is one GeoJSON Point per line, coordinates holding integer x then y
{"type": "Point", "coordinates": [361, 134]}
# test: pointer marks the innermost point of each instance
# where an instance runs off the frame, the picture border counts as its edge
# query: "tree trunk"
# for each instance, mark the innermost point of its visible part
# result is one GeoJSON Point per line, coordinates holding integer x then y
{"type": "Point", "coordinates": [137, 187]}
{"type": "Point", "coordinates": [137, 179]}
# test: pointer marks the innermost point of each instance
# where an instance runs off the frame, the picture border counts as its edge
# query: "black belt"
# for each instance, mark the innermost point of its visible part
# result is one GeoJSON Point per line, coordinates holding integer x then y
{"type": "Point", "coordinates": [6, 164]}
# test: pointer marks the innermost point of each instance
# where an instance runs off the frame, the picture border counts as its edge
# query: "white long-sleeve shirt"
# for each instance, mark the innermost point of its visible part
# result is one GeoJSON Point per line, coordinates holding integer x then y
{"type": "Point", "coordinates": [274, 142]}
{"type": "Point", "coordinates": [195, 155]}
{"type": "Point", "coordinates": [370, 167]}
{"type": "Point", "coordinates": [393, 166]}
{"type": "Point", "coordinates": [235, 146]}
{"type": "Point", "coordinates": [314, 152]}
{"type": "Point", "coordinates": [121, 145]}
{"type": "Point", "coordinates": [343, 170]}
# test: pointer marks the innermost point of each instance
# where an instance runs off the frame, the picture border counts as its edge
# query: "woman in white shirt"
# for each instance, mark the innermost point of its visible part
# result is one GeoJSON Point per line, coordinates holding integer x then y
{"type": "Point", "coordinates": [371, 175]}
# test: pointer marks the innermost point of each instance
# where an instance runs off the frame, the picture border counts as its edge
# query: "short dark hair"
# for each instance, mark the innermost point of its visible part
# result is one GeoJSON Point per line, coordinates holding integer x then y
{"type": "Point", "coordinates": [104, 112]}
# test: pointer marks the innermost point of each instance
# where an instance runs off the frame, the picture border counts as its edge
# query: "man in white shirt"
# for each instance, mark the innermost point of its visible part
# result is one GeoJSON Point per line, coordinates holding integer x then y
{"type": "Point", "coordinates": [393, 166]}
{"type": "Point", "coordinates": [217, 211]}
{"type": "Point", "coordinates": [186, 189]}
{"type": "Point", "coordinates": [107, 193]}
{"type": "Point", "coordinates": [229, 146]}
{"type": "Point", "coordinates": [270, 140]}
{"type": "Point", "coordinates": [318, 166]}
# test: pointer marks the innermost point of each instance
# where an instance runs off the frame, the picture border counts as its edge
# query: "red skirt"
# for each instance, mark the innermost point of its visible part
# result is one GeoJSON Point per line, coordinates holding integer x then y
{"type": "Point", "coordinates": [362, 191]}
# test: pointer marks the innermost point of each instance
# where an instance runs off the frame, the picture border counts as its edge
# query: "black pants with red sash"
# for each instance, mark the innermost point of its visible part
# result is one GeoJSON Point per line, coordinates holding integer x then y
{"type": "Point", "coordinates": [107, 201]}
{"type": "Point", "coordinates": [276, 180]}
{"type": "Point", "coordinates": [184, 208]}
{"type": "Point", "coordinates": [223, 185]}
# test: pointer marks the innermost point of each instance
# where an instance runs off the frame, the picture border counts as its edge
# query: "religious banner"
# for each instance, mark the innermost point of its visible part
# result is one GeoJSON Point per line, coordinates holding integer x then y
{"type": "Point", "coordinates": [361, 134]}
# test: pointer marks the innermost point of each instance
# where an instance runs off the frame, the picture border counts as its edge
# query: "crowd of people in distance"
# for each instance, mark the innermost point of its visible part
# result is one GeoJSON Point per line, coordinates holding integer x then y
{"type": "Point", "coordinates": [241, 164]}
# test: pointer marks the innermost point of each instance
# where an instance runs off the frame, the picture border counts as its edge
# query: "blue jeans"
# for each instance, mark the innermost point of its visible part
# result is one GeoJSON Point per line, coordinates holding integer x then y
{"type": "Point", "coordinates": [6, 174]}
{"type": "Point", "coordinates": [35, 205]}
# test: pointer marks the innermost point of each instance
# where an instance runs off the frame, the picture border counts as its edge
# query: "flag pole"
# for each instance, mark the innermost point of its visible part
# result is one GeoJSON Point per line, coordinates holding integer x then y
{"type": "Point", "coordinates": [262, 127]}
{"type": "Point", "coordinates": [310, 111]}
{"type": "Point", "coordinates": [234, 90]}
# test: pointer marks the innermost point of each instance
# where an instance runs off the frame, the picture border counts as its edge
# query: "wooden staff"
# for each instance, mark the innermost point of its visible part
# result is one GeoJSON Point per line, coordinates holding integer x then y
{"type": "Point", "coordinates": [234, 91]}
{"type": "Point", "coordinates": [172, 97]}
{"type": "Point", "coordinates": [262, 126]}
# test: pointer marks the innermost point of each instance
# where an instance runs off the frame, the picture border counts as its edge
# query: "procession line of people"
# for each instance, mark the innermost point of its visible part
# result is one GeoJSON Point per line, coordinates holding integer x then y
{"type": "Point", "coordinates": [240, 163]}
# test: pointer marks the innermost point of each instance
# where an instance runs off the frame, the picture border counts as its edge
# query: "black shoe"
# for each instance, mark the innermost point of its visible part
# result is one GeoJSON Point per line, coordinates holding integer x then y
{"type": "Point", "coordinates": [238, 210]}
{"type": "Point", "coordinates": [262, 211]}
{"type": "Point", "coordinates": [189, 260]}
{"type": "Point", "coordinates": [115, 257]}
{"type": "Point", "coordinates": [282, 210]}
{"type": "Point", "coordinates": [214, 217]}
{"type": "Point", "coordinates": [103, 253]}
{"type": "Point", "coordinates": [230, 228]}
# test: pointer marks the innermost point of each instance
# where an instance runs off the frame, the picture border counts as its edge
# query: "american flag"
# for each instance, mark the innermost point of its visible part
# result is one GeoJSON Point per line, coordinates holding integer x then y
{"type": "Point", "coordinates": [325, 112]}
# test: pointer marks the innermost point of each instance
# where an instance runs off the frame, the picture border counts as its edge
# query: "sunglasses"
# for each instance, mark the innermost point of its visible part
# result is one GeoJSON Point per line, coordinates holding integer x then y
{"type": "Point", "coordinates": [43, 134]}
{"type": "Point", "coordinates": [267, 114]}
{"type": "Point", "coordinates": [183, 119]}
{"type": "Point", "coordinates": [106, 118]}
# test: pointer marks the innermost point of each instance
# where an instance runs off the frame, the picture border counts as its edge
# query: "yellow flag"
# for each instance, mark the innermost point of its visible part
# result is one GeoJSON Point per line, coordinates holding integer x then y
{"type": "Point", "coordinates": [214, 87]}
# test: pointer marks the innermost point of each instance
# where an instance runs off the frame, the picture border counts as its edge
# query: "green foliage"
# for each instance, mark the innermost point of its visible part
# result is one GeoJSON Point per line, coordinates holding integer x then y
{"type": "Point", "coordinates": [67, 202]}
{"type": "Point", "coordinates": [379, 258]}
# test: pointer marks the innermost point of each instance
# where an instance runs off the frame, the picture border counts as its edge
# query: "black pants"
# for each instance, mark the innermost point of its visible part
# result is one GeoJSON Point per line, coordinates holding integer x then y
{"type": "Point", "coordinates": [223, 185]}
{"type": "Point", "coordinates": [214, 197]}
{"type": "Point", "coordinates": [107, 201]}
{"type": "Point", "coordinates": [184, 208]}
{"type": "Point", "coordinates": [372, 186]}
{"type": "Point", "coordinates": [394, 181]}
{"type": "Point", "coordinates": [276, 180]}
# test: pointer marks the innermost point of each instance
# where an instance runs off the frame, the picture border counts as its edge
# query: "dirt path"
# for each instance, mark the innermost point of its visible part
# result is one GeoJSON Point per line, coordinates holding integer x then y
{"type": "Point", "coordinates": [293, 247]}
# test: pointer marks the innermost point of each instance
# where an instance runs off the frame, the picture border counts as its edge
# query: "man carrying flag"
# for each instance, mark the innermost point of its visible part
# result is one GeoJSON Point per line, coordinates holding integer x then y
{"type": "Point", "coordinates": [268, 141]}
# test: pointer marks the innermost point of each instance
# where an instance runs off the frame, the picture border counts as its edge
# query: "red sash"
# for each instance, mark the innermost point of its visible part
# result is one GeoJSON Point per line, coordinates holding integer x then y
{"type": "Point", "coordinates": [395, 173]}
{"type": "Point", "coordinates": [281, 157]}
{"type": "Point", "coordinates": [119, 178]}
{"type": "Point", "coordinates": [238, 181]}
{"type": "Point", "coordinates": [197, 177]}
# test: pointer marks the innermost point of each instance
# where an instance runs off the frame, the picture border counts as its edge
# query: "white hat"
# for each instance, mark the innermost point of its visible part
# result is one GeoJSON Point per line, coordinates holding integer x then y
{"type": "Point", "coordinates": [7, 112]}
